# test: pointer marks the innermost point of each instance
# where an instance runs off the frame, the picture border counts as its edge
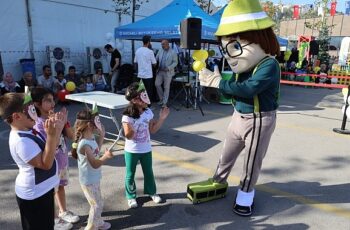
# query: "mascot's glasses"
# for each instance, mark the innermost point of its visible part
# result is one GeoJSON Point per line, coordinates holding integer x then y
{"type": "Point", "coordinates": [233, 48]}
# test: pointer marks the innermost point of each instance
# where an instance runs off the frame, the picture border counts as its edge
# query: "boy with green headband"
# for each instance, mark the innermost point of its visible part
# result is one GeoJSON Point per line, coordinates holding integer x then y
{"type": "Point", "coordinates": [35, 158]}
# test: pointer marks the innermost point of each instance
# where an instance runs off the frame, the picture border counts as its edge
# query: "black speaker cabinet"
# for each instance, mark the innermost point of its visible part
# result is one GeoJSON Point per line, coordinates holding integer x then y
{"type": "Point", "coordinates": [314, 49]}
{"type": "Point", "coordinates": [191, 33]}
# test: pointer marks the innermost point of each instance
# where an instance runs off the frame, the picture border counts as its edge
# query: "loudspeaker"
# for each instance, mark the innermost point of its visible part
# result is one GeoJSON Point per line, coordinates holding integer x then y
{"type": "Point", "coordinates": [314, 47]}
{"type": "Point", "coordinates": [191, 33]}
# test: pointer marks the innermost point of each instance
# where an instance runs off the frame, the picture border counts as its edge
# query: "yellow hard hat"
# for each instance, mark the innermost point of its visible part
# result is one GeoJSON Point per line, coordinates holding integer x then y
{"type": "Point", "coordinates": [243, 15]}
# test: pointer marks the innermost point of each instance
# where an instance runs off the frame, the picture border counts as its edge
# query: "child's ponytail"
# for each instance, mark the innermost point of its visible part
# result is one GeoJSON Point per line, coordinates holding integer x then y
{"type": "Point", "coordinates": [80, 125]}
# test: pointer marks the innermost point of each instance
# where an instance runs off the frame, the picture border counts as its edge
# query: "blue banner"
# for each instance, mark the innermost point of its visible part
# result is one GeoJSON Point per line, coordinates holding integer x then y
{"type": "Point", "coordinates": [347, 7]}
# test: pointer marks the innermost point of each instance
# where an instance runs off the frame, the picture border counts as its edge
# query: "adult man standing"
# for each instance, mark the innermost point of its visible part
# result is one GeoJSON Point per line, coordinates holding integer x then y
{"type": "Point", "coordinates": [167, 60]}
{"type": "Point", "coordinates": [144, 58]}
{"type": "Point", "coordinates": [114, 64]}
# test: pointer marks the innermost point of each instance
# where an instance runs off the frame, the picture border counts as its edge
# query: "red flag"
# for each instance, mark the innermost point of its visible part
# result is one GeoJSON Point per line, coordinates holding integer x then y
{"type": "Point", "coordinates": [296, 12]}
{"type": "Point", "coordinates": [333, 8]}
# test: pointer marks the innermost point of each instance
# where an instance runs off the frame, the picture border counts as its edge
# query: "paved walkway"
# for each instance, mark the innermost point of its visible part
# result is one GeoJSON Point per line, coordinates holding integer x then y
{"type": "Point", "coordinates": [304, 183]}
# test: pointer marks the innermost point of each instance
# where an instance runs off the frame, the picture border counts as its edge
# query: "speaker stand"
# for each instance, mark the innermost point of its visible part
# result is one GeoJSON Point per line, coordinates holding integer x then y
{"type": "Point", "coordinates": [193, 90]}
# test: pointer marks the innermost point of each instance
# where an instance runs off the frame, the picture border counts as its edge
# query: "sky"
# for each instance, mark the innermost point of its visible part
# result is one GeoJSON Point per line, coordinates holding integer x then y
{"type": "Point", "coordinates": [340, 3]}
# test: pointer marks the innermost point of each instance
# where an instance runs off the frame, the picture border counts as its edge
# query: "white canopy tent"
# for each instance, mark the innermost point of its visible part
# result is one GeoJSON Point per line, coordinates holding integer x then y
{"type": "Point", "coordinates": [74, 24]}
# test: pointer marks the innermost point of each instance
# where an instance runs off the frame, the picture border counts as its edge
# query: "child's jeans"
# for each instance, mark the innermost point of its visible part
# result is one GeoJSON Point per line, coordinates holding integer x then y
{"type": "Point", "coordinates": [149, 186]}
{"type": "Point", "coordinates": [92, 193]}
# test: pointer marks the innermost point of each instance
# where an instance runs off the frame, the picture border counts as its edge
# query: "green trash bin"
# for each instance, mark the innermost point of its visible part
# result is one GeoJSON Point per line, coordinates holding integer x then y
{"type": "Point", "coordinates": [226, 75]}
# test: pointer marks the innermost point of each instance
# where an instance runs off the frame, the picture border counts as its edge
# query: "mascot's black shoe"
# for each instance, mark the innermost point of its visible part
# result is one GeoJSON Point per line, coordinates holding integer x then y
{"type": "Point", "coordinates": [243, 210]}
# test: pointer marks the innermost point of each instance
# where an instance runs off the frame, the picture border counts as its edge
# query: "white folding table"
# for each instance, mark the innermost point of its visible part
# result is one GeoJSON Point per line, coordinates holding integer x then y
{"type": "Point", "coordinates": [107, 100]}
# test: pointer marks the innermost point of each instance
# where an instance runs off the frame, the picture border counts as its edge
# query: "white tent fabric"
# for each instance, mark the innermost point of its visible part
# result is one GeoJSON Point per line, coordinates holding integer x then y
{"type": "Point", "coordinates": [74, 24]}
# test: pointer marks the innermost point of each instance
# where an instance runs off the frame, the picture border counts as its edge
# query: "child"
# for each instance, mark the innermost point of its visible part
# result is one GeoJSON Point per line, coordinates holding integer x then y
{"type": "Point", "coordinates": [138, 123]}
{"type": "Point", "coordinates": [100, 81]}
{"type": "Point", "coordinates": [44, 102]}
{"type": "Point", "coordinates": [89, 86]}
{"type": "Point", "coordinates": [61, 82]}
{"type": "Point", "coordinates": [35, 158]}
{"type": "Point", "coordinates": [87, 151]}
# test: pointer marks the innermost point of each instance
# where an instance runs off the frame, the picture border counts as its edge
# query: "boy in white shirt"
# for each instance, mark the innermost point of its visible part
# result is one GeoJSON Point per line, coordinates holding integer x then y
{"type": "Point", "coordinates": [35, 158]}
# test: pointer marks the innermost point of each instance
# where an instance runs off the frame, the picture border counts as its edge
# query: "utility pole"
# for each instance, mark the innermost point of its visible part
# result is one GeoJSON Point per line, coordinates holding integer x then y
{"type": "Point", "coordinates": [30, 30]}
{"type": "Point", "coordinates": [208, 11]}
{"type": "Point", "coordinates": [133, 20]}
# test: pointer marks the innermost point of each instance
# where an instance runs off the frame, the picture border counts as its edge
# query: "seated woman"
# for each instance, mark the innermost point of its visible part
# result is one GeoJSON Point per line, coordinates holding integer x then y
{"type": "Point", "coordinates": [99, 81]}
{"type": "Point", "coordinates": [8, 85]}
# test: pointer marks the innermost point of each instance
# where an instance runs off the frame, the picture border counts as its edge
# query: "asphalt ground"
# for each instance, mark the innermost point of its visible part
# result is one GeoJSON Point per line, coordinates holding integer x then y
{"type": "Point", "coordinates": [304, 183]}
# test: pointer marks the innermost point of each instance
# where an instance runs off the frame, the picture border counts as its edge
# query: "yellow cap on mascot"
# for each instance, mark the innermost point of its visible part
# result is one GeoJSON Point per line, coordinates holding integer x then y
{"type": "Point", "coordinates": [243, 15]}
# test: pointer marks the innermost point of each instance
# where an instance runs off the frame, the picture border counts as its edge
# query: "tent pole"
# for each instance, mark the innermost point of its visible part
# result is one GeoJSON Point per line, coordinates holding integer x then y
{"type": "Point", "coordinates": [30, 31]}
{"type": "Point", "coordinates": [133, 20]}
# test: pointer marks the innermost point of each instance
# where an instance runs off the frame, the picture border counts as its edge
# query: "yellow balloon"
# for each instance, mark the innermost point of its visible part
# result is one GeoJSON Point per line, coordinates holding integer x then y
{"type": "Point", "coordinates": [345, 91]}
{"type": "Point", "coordinates": [198, 66]}
{"type": "Point", "coordinates": [200, 55]}
{"type": "Point", "coordinates": [70, 86]}
{"type": "Point", "coordinates": [287, 55]}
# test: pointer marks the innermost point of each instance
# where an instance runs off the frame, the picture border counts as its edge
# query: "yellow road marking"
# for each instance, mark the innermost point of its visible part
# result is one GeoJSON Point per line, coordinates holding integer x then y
{"type": "Point", "coordinates": [317, 131]}
{"type": "Point", "coordinates": [322, 132]}
{"type": "Point", "coordinates": [290, 196]}
{"type": "Point", "coordinates": [233, 179]}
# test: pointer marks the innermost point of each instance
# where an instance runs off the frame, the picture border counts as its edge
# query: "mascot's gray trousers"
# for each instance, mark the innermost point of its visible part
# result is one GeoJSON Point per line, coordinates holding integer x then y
{"type": "Point", "coordinates": [250, 133]}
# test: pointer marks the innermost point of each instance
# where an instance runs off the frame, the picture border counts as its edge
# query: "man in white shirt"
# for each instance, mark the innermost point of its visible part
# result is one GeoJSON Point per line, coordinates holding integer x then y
{"type": "Point", "coordinates": [144, 58]}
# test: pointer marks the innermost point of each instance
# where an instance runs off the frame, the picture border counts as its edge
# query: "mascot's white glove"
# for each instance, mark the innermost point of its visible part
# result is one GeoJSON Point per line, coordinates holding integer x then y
{"type": "Point", "coordinates": [210, 79]}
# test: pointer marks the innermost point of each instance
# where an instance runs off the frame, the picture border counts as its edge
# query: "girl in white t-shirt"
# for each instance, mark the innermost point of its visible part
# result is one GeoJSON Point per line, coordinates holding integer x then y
{"type": "Point", "coordinates": [87, 151]}
{"type": "Point", "coordinates": [44, 102]}
{"type": "Point", "coordinates": [138, 123]}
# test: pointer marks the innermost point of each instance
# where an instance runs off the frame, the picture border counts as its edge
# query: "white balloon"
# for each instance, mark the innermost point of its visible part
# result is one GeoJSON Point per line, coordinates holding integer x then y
{"type": "Point", "coordinates": [119, 45]}
{"type": "Point", "coordinates": [109, 36]}
{"type": "Point", "coordinates": [347, 111]}
{"type": "Point", "coordinates": [345, 99]}
{"type": "Point", "coordinates": [334, 80]}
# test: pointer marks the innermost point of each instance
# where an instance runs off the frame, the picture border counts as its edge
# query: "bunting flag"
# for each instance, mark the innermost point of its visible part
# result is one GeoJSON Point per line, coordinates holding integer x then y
{"type": "Point", "coordinates": [320, 11]}
{"type": "Point", "coordinates": [347, 7]}
{"type": "Point", "coordinates": [333, 8]}
{"type": "Point", "coordinates": [296, 12]}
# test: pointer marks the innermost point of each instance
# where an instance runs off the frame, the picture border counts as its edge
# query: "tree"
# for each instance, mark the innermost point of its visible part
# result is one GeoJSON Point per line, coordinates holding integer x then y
{"type": "Point", "coordinates": [323, 28]}
{"type": "Point", "coordinates": [125, 6]}
{"type": "Point", "coordinates": [128, 7]}
{"type": "Point", "coordinates": [274, 12]}
{"type": "Point", "coordinates": [205, 5]}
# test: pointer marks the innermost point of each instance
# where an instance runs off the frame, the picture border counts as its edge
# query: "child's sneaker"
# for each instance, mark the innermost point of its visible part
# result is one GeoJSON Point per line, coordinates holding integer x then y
{"type": "Point", "coordinates": [156, 198]}
{"type": "Point", "coordinates": [69, 216]}
{"type": "Point", "coordinates": [132, 203]}
{"type": "Point", "coordinates": [61, 224]}
{"type": "Point", "coordinates": [105, 226]}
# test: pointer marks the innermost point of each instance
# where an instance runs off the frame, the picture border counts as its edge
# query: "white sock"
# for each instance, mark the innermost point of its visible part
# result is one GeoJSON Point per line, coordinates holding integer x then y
{"type": "Point", "coordinates": [245, 198]}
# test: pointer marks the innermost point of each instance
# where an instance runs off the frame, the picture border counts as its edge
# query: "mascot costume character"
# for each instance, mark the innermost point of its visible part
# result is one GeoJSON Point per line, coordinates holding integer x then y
{"type": "Point", "coordinates": [249, 45]}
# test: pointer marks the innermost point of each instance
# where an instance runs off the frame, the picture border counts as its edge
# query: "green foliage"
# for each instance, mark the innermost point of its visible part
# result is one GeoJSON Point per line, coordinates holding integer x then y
{"type": "Point", "coordinates": [323, 40]}
{"type": "Point", "coordinates": [125, 6]}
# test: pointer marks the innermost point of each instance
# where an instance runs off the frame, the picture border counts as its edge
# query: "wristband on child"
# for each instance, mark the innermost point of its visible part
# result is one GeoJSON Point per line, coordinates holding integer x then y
{"type": "Point", "coordinates": [67, 125]}
{"type": "Point", "coordinates": [74, 145]}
